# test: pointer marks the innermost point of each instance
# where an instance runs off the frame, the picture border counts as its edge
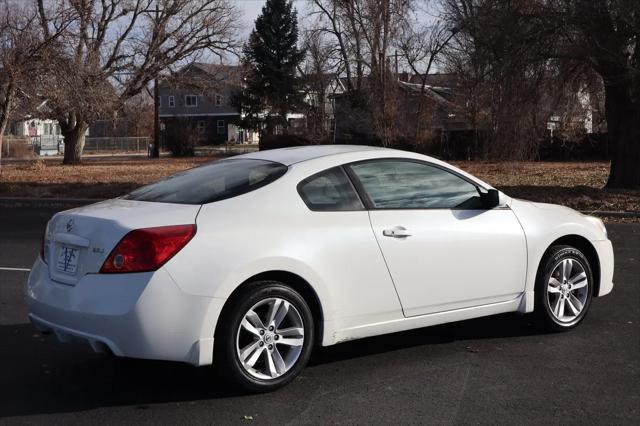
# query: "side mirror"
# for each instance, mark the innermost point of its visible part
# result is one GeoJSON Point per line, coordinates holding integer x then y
{"type": "Point", "coordinates": [490, 199]}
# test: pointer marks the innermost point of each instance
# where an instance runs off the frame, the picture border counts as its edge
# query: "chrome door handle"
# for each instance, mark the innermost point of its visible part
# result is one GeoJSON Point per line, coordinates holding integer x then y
{"type": "Point", "coordinates": [396, 232]}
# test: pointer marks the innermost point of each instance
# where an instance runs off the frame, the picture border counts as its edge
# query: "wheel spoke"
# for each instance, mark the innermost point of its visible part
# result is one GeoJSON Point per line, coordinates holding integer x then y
{"type": "Point", "coordinates": [579, 284]}
{"type": "Point", "coordinates": [293, 336]}
{"type": "Point", "coordinates": [274, 306]}
{"type": "Point", "coordinates": [271, 366]}
{"type": "Point", "coordinates": [576, 302]}
{"type": "Point", "coordinates": [552, 289]}
{"type": "Point", "coordinates": [567, 265]}
{"type": "Point", "coordinates": [554, 282]}
{"type": "Point", "coordinates": [575, 310]}
{"type": "Point", "coordinates": [281, 313]}
{"type": "Point", "coordinates": [249, 327]}
{"type": "Point", "coordinates": [578, 278]}
{"type": "Point", "coordinates": [254, 319]}
{"type": "Point", "coordinates": [251, 353]}
{"type": "Point", "coordinates": [281, 368]}
{"type": "Point", "coordinates": [559, 309]}
{"type": "Point", "coordinates": [291, 332]}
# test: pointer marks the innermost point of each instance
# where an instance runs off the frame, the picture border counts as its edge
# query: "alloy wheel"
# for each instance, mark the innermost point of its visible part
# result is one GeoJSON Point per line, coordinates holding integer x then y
{"type": "Point", "coordinates": [567, 290]}
{"type": "Point", "coordinates": [270, 338]}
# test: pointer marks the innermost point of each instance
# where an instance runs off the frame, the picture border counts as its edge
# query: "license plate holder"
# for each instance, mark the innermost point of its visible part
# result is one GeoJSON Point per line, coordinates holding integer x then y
{"type": "Point", "coordinates": [68, 260]}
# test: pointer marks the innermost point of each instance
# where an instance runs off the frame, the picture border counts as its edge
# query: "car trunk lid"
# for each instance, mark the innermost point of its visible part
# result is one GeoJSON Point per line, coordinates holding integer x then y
{"type": "Point", "coordinates": [79, 240]}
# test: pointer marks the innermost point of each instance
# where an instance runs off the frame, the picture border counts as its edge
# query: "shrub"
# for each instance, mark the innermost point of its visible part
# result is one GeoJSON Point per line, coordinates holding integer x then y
{"type": "Point", "coordinates": [181, 138]}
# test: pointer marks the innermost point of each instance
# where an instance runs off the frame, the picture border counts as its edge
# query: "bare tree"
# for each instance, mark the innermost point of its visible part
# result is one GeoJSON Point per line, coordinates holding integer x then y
{"type": "Point", "coordinates": [319, 72]}
{"type": "Point", "coordinates": [421, 47]}
{"type": "Point", "coordinates": [558, 38]}
{"type": "Point", "coordinates": [115, 48]}
{"type": "Point", "coordinates": [364, 32]}
{"type": "Point", "coordinates": [337, 19]}
{"type": "Point", "coordinates": [22, 53]}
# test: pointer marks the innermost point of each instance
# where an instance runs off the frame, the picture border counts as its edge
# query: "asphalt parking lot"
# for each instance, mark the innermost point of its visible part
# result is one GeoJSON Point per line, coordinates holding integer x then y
{"type": "Point", "coordinates": [493, 370]}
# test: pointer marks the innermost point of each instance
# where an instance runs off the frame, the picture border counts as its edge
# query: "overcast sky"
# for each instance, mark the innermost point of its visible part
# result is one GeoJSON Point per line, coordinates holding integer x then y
{"type": "Point", "coordinates": [252, 9]}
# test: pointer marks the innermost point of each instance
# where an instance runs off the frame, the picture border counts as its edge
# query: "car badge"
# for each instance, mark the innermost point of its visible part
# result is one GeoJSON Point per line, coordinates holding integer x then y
{"type": "Point", "coordinates": [70, 225]}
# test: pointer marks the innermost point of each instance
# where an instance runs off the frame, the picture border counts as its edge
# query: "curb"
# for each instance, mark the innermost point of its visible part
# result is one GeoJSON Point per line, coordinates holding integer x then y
{"type": "Point", "coordinates": [45, 203]}
{"type": "Point", "coordinates": [612, 214]}
{"type": "Point", "coordinates": [68, 203]}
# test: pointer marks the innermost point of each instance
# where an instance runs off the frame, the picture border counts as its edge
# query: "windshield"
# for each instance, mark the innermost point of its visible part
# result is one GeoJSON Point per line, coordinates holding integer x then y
{"type": "Point", "coordinates": [214, 181]}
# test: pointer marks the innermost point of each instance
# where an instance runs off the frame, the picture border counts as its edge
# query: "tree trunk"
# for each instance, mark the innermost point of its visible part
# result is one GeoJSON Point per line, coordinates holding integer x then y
{"type": "Point", "coordinates": [3, 126]}
{"type": "Point", "coordinates": [74, 142]}
{"type": "Point", "coordinates": [5, 110]}
{"type": "Point", "coordinates": [623, 125]}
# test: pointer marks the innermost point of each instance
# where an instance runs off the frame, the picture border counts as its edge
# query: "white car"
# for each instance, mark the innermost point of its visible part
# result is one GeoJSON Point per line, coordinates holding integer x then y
{"type": "Point", "coordinates": [249, 262]}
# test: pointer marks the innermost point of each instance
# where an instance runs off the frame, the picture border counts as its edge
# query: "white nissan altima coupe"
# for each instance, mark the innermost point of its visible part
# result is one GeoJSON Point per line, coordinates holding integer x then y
{"type": "Point", "coordinates": [249, 262]}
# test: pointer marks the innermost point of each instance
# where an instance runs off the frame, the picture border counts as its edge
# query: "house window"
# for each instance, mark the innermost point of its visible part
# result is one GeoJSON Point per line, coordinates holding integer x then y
{"type": "Point", "coordinates": [218, 100]}
{"type": "Point", "coordinates": [202, 126]}
{"type": "Point", "coordinates": [191, 101]}
{"type": "Point", "coordinates": [172, 102]}
{"type": "Point", "coordinates": [221, 127]}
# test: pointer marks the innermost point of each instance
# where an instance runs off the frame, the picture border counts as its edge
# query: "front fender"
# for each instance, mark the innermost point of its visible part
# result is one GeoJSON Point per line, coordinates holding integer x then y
{"type": "Point", "coordinates": [543, 224]}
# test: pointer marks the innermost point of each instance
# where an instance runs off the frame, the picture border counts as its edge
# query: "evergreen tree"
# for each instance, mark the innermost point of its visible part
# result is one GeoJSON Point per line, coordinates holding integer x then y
{"type": "Point", "coordinates": [271, 58]}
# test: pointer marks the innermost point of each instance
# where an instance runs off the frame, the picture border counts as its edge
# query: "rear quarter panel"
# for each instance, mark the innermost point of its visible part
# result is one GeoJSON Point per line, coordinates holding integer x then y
{"type": "Point", "coordinates": [271, 229]}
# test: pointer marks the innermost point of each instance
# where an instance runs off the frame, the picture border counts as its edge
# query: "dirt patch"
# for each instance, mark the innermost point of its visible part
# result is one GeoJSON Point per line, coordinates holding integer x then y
{"type": "Point", "coordinates": [95, 178]}
{"type": "Point", "coordinates": [577, 185]}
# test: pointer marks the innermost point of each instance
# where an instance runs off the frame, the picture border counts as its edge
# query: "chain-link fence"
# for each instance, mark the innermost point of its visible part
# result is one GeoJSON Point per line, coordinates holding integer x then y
{"type": "Point", "coordinates": [123, 144]}
{"type": "Point", "coordinates": [47, 144]}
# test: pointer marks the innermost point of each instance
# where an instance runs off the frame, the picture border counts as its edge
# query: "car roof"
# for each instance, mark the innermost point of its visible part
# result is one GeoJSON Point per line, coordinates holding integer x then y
{"type": "Point", "coordinates": [297, 154]}
{"type": "Point", "coordinates": [300, 154]}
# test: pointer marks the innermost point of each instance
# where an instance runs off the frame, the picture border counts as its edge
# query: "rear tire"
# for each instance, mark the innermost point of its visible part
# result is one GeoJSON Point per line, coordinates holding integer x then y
{"type": "Point", "coordinates": [264, 337]}
{"type": "Point", "coordinates": [564, 288]}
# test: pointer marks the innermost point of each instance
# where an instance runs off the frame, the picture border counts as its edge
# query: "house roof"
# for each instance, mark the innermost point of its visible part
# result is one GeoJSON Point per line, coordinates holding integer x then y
{"type": "Point", "coordinates": [213, 69]}
{"type": "Point", "coordinates": [436, 79]}
{"type": "Point", "coordinates": [202, 75]}
{"type": "Point", "coordinates": [439, 94]}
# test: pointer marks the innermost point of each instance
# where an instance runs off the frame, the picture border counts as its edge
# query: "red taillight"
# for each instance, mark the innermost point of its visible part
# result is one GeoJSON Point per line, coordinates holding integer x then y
{"type": "Point", "coordinates": [147, 249]}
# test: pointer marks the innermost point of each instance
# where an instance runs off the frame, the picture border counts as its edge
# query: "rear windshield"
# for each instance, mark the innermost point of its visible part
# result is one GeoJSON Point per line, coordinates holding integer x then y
{"type": "Point", "coordinates": [212, 182]}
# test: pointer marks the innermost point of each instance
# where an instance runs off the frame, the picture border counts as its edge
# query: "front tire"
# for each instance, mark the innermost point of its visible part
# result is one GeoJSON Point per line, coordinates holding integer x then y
{"type": "Point", "coordinates": [564, 288]}
{"type": "Point", "coordinates": [265, 337]}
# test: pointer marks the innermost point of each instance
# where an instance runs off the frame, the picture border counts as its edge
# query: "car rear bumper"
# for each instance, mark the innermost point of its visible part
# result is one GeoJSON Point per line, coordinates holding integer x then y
{"type": "Point", "coordinates": [141, 315]}
{"type": "Point", "coordinates": [605, 255]}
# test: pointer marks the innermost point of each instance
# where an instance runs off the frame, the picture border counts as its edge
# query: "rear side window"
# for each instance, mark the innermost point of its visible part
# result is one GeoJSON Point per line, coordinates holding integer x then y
{"type": "Point", "coordinates": [330, 190]}
{"type": "Point", "coordinates": [212, 182]}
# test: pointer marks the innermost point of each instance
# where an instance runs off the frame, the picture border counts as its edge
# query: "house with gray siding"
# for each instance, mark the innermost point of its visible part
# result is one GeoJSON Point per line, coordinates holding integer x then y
{"type": "Point", "coordinates": [198, 103]}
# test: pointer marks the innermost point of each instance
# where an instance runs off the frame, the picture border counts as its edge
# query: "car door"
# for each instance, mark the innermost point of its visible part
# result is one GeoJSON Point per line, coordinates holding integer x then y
{"type": "Point", "coordinates": [444, 251]}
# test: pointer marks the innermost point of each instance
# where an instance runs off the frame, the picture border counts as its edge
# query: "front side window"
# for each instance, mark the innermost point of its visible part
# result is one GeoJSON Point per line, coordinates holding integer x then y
{"type": "Point", "coordinates": [212, 182]}
{"type": "Point", "coordinates": [191, 101]}
{"type": "Point", "coordinates": [330, 190]}
{"type": "Point", "coordinates": [397, 184]}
